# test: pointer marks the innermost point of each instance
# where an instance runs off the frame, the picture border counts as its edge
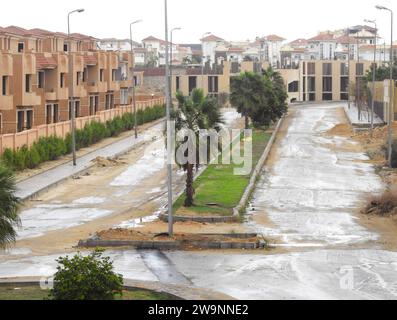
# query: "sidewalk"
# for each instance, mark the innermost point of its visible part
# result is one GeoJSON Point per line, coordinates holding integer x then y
{"type": "Point", "coordinates": [365, 121]}
{"type": "Point", "coordinates": [32, 186]}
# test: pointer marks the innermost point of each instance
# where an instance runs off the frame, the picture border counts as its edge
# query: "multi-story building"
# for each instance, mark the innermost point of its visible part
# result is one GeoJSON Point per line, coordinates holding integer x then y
{"type": "Point", "coordinates": [326, 80]}
{"type": "Point", "coordinates": [38, 76]}
{"type": "Point", "coordinates": [209, 45]}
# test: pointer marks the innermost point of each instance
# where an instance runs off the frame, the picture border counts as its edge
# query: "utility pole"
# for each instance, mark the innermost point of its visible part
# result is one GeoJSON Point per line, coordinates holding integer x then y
{"type": "Point", "coordinates": [203, 62]}
{"type": "Point", "coordinates": [348, 63]}
{"type": "Point", "coordinates": [169, 132]}
{"type": "Point", "coordinates": [172, 44]}
{"type": "Point", "coordinates": [391, 108]}
{"type": "Point", "coordinates": [133, 80]}
{"type": "Point", "coordinates": [71, 93]}
{"type": "Point", "coordinates": [373, 75]}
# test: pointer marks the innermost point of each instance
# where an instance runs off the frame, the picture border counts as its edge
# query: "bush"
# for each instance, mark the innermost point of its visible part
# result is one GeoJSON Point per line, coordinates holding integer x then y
{"type": "Point", "coordinates": [32, 158]}
{"type": "Point", "coordinates": [86, 278]}
{"type": "Point", "coordinates": [51, 148]}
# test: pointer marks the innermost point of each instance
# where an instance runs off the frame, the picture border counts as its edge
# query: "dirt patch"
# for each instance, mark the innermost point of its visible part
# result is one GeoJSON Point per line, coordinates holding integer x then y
{"type": "Point", "coordinates": [384, 205]}
{"type": "Point", "coordinates": [107, 162]}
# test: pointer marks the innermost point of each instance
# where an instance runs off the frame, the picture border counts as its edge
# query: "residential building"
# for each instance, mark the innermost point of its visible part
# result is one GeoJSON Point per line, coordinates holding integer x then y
{"type": "Point", "coordinates": [38, 75]}
{"type": "Point", "coordinates": [323, 80]}
{"type": "Point", "coordinates": [209, 45]}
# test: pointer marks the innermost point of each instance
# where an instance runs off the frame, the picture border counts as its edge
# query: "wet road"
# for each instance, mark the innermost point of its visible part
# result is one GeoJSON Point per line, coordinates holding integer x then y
{"type": "Point", "coordinates": [306, 200]}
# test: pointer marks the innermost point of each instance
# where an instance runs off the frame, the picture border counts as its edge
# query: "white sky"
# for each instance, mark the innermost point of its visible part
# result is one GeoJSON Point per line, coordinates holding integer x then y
{"type": "Point", "coordinates": [228, 19]}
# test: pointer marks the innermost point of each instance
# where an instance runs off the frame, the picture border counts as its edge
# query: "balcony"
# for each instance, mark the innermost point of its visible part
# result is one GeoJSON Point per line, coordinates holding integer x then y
{"type": "Point", "coordinates": [97, 87]}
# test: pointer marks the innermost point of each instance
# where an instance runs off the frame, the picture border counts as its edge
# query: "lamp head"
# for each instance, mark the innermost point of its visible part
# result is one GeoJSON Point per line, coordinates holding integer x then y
{"type": "Point", "coordinates": [80, 10]}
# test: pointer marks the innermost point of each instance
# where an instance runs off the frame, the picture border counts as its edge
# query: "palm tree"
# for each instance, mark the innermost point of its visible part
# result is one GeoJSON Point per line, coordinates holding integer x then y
{"type": "Point", "coordinates": [195, 113]}
{"type": "Point", "coordinates": [246, 93]}
{"type": "Point", "coordinates": [9, 205]}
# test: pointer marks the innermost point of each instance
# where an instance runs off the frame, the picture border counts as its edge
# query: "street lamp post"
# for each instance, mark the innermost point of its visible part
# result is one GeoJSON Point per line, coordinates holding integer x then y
{"type": "Point", "coordinates": [348, 63]}
{"type": "Point", "coordinates": [391, 113]}
{"type": "Point", "coordinates": [203, 62]}
{"type": "Point", "coordinates": [71, 93]}
{"type": "Point", "coordinates": [171, 54]}
{"type": "Point", "coordinates": [169, 129]}
{"type": "Point", "coordinates": [133, 79]}
{"type": "Point", "coordinates": [373, 75]}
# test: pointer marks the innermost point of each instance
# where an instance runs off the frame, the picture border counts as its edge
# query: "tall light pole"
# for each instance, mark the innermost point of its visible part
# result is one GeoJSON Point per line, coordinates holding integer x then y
{"type": "Point", "coordinates": [71, 93]}
{"type": "Point", "coordinates": [373, 75]}
{"type": "Point", "coordinates": [391, 109]}
{"type": "Point", "coordinates": [133, 79]}
{"type": "Point", "coordinates": [171, 54]}
{"type": "Point", "coordinates": [169, 129]}
{"type": "Point", "coordinates": [348, 63]}
{"type": "Point", "coordinates": [203, 62]}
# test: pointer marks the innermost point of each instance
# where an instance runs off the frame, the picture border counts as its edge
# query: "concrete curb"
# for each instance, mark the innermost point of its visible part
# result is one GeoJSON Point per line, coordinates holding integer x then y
{"type": "Point", "coordinates": [180, 245]}
{"type": "Point", "coordinates": [199, 219]}
{"type": "Point", "coordinates": [83, 171]}
{"type": "Point", "coordinates": [258, 169]}
{"type": "Point", "coordinates": [178, 291]}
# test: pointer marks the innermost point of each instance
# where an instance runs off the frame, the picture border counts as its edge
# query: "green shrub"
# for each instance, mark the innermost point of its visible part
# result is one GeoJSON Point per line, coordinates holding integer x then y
{"type": "Point", "coordinates": [32, 158]}
{"type": "Point", "coordinates": [8, 158]}
{"type": "Point", "coordinates": [86, 278]}
{"type": "Point", "coordinates": [51, 148]}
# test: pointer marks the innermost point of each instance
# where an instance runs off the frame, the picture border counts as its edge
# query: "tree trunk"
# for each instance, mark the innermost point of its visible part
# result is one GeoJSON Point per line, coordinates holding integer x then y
{"type": "Point", "coordinates": [247, 121]}
{"type": "Point", "coordinates": [189, 186]}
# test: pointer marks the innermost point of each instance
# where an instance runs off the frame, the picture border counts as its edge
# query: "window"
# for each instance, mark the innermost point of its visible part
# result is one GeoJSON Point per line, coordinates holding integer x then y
{"type": "Point", "coordinates": [114, 75]}
{"type": "Point", "coordinates": [327, 84]}
{"type": "Point", "coordinates": [359, 69]}
{"type": "Point", "coordinates": [94, 105]}
{"type": "Point", "coordinates": [344, 69]}
{"type": "Point", "coordinates": [49, 113]}
{"type": "Point", "coordinates": [29, 119]}
{"type": "Point", "coordinates": [55, 113]}
{"type": "Point", "coordinates": [4, 86]}
{"type": "Point", "coordinates": [40, 79]}
{"type": "Point", "coordinates": [21, 46]}
{"type": "Point", "coordinates": [28, 83]}
{"type": "Point", "coordinates": [311, 68]}
{"type": "Point", "coordinates": [293, 86]}
{"type": "Point", "coordinates": [65, 47]}
{"type": "Point", "coordinates": [76, 110]}
{"type": "Point", "coordinates": [213, 84]}
{"type": "Point", "coordinates": [192, 84]}
{"type": "Point", "coordinates": [109, 104]}
{"type": "Point", "coordinates": [20, 120]}
{"type": "Point", "coordinates": [123, 96]}
{"type": "Point", "coordinates": [344, 84]}
{"type": "Point", "coordinates": [311, 84]}
{"type": "Point", "coordinates": [327, 69]}
{"type": "Point", "coordinates": [178, 85]}
{"type": "Point", "coordinates": [101, 75]}
{"type": "Point", "coordinates": [85, 75]}
{"type": "Point", "coordinates": [62, 80]}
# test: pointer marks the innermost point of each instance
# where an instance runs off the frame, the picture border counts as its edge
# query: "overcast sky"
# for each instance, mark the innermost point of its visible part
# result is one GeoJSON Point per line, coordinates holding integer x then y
{"type": "Point", "coordinates": [228, 19]}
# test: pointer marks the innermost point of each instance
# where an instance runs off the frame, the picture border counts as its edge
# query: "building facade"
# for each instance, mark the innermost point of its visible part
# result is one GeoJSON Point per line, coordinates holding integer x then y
{"type": "Point", "coordinates": [38, 75]}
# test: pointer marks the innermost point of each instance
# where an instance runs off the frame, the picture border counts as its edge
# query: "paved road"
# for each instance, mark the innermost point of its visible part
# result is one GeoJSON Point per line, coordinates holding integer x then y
{"type": "Point", "coordinates": [306, 200]}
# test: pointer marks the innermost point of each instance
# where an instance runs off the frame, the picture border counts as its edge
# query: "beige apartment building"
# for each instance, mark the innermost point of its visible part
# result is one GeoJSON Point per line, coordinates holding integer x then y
{"type": "Point", "coordinates": [323, 80]}
{"type": "Point", "coordinates": [213, 81]}
{"type": "Point", "coordinates": [37, 78]}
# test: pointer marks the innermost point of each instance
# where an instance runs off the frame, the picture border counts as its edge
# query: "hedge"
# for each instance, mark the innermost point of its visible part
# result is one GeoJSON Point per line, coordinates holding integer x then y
{"type": "Point", "coordinates": [52, 148]}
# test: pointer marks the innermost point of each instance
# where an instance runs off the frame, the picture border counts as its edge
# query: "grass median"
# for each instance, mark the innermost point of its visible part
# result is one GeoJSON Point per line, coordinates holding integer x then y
{"type": "Point", "coordinates": [218, 189]}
